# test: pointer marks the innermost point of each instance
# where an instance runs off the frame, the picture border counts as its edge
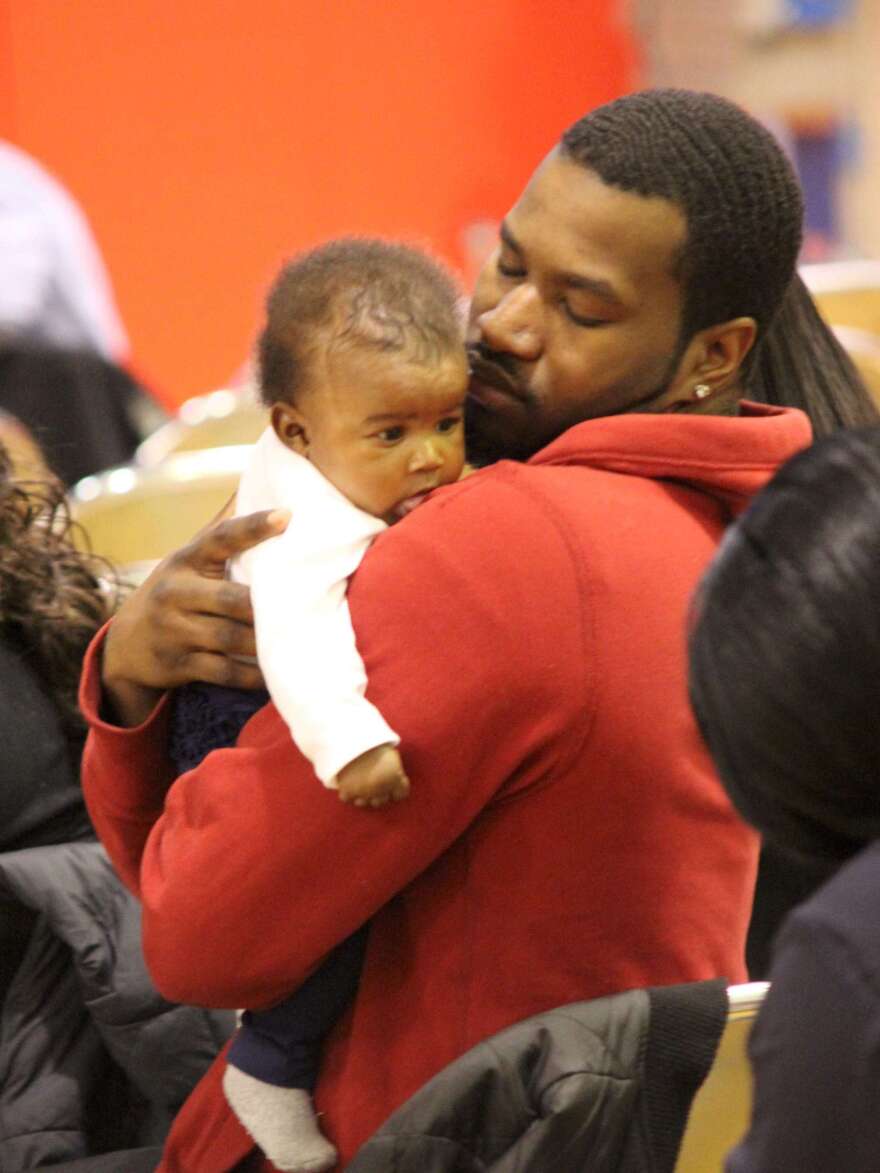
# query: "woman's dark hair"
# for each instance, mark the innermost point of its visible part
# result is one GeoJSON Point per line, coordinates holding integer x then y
{"type": "Point", "coordinates": [51, 600]}
{"type": "Point", "coordinates": [785, 652]}
{"type": "Point", "coordinates": [743, 210]}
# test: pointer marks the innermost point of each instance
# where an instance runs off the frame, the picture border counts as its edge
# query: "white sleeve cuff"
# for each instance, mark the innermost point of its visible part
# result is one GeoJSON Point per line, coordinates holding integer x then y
{"type": "Point", "coordinates": [339, 733]}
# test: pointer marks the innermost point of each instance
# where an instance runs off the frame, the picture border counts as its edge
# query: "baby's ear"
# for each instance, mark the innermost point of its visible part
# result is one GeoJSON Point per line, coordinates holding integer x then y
{"type": "Point", "coordinates": [290, 427]}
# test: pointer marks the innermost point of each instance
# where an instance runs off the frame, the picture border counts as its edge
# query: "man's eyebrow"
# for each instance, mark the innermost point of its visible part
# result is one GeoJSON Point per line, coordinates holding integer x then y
{"type": "Point", "coordinates": [508, 238]}
{"type": "Point", "coordinates": [602, 289]}
{"type": "Point", "coordinates": [595, 285]}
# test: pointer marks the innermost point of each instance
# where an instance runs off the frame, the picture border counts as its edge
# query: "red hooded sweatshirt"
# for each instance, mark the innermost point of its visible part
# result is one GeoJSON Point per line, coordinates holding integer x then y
{"type": "Point", "coordinates": [565, 837]}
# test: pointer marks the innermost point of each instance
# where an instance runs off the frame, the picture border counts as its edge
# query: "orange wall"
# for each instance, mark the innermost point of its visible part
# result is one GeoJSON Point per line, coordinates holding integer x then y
{"type": "Point", "coordinates": [208, 139]}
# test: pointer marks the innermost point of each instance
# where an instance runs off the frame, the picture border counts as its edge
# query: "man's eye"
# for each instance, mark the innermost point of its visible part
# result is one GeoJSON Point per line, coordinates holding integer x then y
{"type": "Point", "coordinates": [390, 435]}
{"type": "Point", "coordinates": [449, 424]}
{"type": "Point", "coordinates": [582, 319]}
{"type": "Point", "coordinates": [510, 268]}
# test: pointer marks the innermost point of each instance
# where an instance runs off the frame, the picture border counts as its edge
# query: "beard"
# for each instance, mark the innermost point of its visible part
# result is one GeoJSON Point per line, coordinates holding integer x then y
{"type": "Point", "coordinates": [489, 437]}
{"type": "Point", "coordinates": [505, 420]}
{"type": "Point", "coordinates": [501, 415]}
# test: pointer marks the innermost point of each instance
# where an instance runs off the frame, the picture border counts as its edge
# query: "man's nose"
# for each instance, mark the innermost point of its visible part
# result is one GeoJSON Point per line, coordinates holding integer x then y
{"type": "Point", "coordinates": [426, 456]}
{"type": "Point", "coordinates": [513, 324]}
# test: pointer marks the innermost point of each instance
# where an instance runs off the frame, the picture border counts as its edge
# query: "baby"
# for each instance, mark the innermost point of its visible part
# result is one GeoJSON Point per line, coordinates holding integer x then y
{"type": "Point", "coordinates": [362, 365]}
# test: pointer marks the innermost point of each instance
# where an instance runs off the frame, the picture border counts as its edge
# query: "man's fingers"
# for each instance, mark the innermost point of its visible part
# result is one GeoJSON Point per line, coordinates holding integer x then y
{"type": "Point", "coordinates": [209, 550]}
{"type": "Point", "coordinates": [190, 594]}
{"type": "Point", "coordinates": [218, 669]}
{"type": "Point", "coordinates": [216, 635]}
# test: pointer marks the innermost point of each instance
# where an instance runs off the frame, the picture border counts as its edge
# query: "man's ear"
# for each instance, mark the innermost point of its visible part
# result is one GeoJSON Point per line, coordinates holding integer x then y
{"type": "Point", "coordinates": [290, 427]}
{"type": "Point", "coordinates": [713, 358]}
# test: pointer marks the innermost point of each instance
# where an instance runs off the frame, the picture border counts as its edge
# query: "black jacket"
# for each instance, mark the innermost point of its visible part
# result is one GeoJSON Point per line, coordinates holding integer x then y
{"type": "Point", "coordinates": [602, 1086]}
{"type": "Point", "coordinates": [92, 1058]}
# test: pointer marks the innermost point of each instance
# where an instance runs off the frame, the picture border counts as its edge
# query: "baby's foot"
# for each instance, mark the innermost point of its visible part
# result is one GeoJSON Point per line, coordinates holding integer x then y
{"type": "Point", "coordinates": [281, 1120]}
{"type": "Point", "coordinates": [374, 779]}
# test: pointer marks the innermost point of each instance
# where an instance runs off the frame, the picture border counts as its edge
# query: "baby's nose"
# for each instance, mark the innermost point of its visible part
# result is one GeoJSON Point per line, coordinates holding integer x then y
{"type": "Point", "coordinates": [427, 455]}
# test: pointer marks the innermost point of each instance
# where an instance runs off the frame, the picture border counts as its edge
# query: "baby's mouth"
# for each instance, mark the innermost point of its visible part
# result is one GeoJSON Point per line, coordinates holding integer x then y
{"type": "Point", "coordinates": [408, 504]}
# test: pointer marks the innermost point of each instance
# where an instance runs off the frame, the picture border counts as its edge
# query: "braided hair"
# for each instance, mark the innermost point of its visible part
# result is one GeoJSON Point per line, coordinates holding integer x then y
{"type": "Point", "coordinates": [737, 191]}
{"type": "Point", "coordinates": [743, 208]}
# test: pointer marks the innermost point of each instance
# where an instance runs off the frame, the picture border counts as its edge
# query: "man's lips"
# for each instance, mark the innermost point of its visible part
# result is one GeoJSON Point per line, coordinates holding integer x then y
{"type": "Point", "coordinates": [488, 374]}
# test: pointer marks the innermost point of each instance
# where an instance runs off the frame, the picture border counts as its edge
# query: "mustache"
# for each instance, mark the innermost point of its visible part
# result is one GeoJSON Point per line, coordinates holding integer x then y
{"type": "Point", "coordinates": [497, 370]}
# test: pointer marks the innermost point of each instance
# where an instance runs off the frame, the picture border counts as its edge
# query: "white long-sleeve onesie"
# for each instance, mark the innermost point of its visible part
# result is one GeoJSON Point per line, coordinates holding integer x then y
{"type": "Point", "coordinates": [305, 641]}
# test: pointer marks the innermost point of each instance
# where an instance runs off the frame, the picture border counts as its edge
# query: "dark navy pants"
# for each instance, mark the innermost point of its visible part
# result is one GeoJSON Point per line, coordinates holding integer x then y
{"type": "Point", "coordinates": [281, 1045]}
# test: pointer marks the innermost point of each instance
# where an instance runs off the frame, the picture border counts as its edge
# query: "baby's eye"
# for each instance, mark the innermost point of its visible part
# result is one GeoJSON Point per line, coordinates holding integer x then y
{"type": "Point", "coordinates": [449, 424]}
{"type": "Point", "coordinates": [390, 435]}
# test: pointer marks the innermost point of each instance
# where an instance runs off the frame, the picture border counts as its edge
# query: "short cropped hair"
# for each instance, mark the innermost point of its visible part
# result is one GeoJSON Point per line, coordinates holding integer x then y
{"type": "Point", "coordinates": [737, 191]}
{"type": "Point", "coordinates": [785, 652]}
{"type": "Point", "coordinates": [355, 293]}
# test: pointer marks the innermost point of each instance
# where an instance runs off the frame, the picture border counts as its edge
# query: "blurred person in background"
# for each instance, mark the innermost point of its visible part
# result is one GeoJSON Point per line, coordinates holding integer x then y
{"type": "Point", "coordinates": [54, 288]}
{"type": "Point", "coordinates": [63, 349]}
{"type": "Point", "coordinates": [785, 683]}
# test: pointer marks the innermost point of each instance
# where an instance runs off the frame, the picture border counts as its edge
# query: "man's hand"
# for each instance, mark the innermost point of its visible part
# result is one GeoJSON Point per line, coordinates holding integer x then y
{"type": "Point", "coordinates": [186, 621]}
{"type": "Point", "coordinates": [374, 779]}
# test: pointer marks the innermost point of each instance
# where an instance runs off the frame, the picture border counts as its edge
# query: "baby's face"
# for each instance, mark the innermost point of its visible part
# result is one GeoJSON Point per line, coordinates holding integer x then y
{"type": "Point", "coordinates": [383, 429]}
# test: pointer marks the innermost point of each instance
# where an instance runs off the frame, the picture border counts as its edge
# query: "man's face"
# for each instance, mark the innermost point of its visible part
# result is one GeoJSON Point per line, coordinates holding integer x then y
{"type": "Point", "coordinates": [576, 314]}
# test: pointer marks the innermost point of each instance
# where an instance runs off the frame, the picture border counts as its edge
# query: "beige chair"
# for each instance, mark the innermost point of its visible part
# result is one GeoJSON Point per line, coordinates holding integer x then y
{"type": "Point", "coordinates": [133, 516]}
{"type": "Point", "coordinates": [721, 1109]}
{"type": "Point", "coordinates": [863, 348]}
{"type": "Point", "coordinates": [846, 292]}
{"type": "Point", "coordinates": [216, 420]}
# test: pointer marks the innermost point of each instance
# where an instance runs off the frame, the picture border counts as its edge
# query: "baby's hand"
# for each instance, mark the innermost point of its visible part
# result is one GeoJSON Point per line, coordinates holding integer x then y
{"type": "Point", "coordinates": [373, 779]}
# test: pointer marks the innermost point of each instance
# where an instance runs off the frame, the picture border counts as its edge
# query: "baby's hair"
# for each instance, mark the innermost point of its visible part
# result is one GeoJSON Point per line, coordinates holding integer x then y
{"type": "Point", "coordinates": [350, 294]}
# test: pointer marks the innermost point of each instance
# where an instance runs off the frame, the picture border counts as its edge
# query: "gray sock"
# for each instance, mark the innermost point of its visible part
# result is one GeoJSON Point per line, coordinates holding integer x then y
{"type": "Point", "coordinates": [281, 1120]}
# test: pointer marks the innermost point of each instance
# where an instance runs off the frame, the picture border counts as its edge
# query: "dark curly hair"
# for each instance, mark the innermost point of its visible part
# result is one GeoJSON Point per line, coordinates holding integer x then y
{"type": "Point", "coordinates": [355, 292]}
{"type": "Point", "coordinates": [51, 597]}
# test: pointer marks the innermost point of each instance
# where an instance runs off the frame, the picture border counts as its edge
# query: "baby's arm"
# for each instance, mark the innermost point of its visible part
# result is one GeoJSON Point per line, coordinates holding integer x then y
{"type": "Point", "coordinates": [374, 779]}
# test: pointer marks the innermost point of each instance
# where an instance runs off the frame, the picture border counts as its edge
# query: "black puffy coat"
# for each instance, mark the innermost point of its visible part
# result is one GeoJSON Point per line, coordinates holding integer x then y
{"type": "Point", "coordinates": [92, 1058]}
{"type": "Point", "coordinates": [603, 1086]}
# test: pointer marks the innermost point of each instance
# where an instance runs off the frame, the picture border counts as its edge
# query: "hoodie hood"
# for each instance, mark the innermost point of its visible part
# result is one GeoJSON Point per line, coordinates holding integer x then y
{"type": "Point", "coordinates": [729, 457]}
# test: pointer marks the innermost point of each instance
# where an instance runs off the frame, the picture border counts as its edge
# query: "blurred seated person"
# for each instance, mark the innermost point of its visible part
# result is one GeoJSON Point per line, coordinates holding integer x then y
{"type": "Point", "coordinates": [785, 682]}
{"type": "Point", "coordinates": [92, 1056]}
{"type": "Point", "coordinates": [63, 348]}
{"type": "Point", "coordinates": [86, 413]}
{"type": "Point", "coordinates": [26, 458]}
{"type": "Point", "coordinates": [54, 288]}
